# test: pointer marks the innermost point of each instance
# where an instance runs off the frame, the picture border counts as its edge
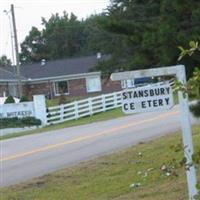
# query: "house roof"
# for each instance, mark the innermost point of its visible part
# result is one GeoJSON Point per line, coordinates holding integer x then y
{"type": "Point", "coordinates": [59, 67]}
{"type": "Point", "coordinates": [6, 75]}
{"type": "Point", "coordinates": [55, 68]}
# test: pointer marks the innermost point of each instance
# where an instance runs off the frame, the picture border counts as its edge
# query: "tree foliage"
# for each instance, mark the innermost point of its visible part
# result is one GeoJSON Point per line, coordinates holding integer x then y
{"type": "Point", "coordinates": [137, 33]}
{"type": "Point", "coordinates": [4, 61]}
{"type": "Point", "coordinates": [66, 36]}
{"type": "Point", "coordinates": [151, 30]}
{"type": "Point", "coordinates": [193, 86]}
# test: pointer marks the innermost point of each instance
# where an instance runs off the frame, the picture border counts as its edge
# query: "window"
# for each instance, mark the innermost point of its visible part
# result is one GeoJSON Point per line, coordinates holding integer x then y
{"type": "Point", "coordinates": [93, 84]}
{"type": "Point", "coordinates": [12, 88]}
{"type": "Point", "coordinates": [61, 87]}
{"type": "Point", "coordinates": [129, 83]}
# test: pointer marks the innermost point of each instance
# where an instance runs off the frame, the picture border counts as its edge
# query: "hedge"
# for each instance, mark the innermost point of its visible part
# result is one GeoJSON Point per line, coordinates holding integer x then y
{"type": "Point", "coordinates": [19, 122]}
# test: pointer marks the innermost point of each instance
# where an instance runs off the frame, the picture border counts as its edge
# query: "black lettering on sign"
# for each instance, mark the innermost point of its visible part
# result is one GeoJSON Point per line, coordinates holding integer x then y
{"type": "Point", "coordinates": [155, 103]}
{"type": "Point", "coordinates": [125, 106]}
{"type": "Point", "coordinates": [146, 93]}
{"type": "Point", "coordinates": [132, 107]}
{"type": "Point", "coordinates": [168, 89]}
{"type": "Point", "coordinates": [151, 92]}
{"type": "Point", "coordinates": [162, 91]}
{"type": "Point", "coordinates": [135, 95]}
{"type": "Point", "coordinates": [129, 94]}
{"type": "Point", "coordinates": [124, 95]}
{"type": "Point", "coordinates": [167, 101]}
{"type": "Point", "coordinates": [140, 93]}
{"type": "Point", "coordinates": [149, 103]}
{"type": "Point", "coordinates": [160, 102]}
{"type": "Point", "coordinates": [157, 91]}
{"type": "Point", "coordinates": [143, 104]}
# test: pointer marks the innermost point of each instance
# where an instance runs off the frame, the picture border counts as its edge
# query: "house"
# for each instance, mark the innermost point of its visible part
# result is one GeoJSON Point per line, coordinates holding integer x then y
{"type": "Point", "coordinates": [71, 77]}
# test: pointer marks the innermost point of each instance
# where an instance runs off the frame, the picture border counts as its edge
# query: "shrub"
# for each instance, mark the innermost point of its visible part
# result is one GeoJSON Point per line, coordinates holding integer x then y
{"type": "Point", "coordinates": [62, 99]}
{"type": "Point", "coordinates": [9, 99]}
{"type": "Point", "coordinates": [19, 122]}
{"type": "Point", "coordinates": [31, 121]}
{"type": "Point", "coordinates": [24, 99]}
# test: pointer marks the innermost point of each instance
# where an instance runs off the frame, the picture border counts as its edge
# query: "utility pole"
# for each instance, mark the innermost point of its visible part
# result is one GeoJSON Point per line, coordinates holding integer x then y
{"type": "Point", "coordinates": [19, 82]}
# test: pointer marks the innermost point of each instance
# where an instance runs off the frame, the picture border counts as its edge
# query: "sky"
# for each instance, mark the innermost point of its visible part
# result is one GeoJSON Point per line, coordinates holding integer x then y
{"type": "Point", "coordinates": [28, 13]}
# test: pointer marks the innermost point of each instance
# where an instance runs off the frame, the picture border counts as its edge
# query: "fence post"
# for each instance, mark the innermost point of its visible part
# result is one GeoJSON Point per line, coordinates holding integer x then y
{"type": "Point", "coordinates": [90, 105]}
{"type": "Point", "coordinates": [103, 103]}
{"type": "Point", "coordinates": [120, 95]}
{"type": "Point", "coordinates": [61, 112]}
{"type": "Point", "coordinates": [115, 100]}
{"type": "Point", "coordinates": [40, 108]}
{"type": "Point", "coordinates": [76, 109]}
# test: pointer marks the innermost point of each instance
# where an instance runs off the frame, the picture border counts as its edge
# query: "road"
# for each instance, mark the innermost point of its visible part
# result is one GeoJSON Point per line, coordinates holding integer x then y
{"type": "Point", "coordinates": [32, 156]}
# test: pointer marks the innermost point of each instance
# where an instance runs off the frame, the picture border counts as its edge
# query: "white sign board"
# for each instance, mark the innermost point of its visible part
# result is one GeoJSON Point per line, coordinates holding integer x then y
{"type": "Point", "coordinates": [16, 110]}
{"type": "Point", "coordinates": [147, 99]}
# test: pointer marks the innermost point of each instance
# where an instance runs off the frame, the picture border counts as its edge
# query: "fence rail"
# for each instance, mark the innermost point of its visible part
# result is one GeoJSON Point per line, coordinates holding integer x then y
{"type": "Point", "coordinates": [82, 108]}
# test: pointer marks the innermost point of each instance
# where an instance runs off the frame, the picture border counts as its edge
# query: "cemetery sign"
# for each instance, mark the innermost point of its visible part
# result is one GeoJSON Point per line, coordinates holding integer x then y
{"type": "Point", "coordinates": [147, 98]}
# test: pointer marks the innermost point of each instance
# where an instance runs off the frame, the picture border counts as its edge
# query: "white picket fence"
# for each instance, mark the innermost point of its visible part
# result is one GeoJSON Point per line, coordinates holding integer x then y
{"type": "Point", "coordinates": [82, 108]}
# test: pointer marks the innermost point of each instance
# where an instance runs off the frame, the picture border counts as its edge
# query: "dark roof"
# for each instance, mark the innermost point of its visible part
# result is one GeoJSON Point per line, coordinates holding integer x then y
{"type": "Point", "coordinates": [6, 75]}
{"type": "Point", "coordinates": [55, 68]}
{"type": "Point", "coordinates": [62, 67]}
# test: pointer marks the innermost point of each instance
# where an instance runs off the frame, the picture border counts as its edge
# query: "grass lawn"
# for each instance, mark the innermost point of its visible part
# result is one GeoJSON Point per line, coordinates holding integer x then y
{"type": "Point", "coordinates": [109, 177]}
{"type": "Point", "coordinates": [115, 113]}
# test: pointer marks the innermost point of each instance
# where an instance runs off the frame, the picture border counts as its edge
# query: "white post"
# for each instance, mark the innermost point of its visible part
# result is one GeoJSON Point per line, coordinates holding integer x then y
{"type": "Point", "coordinates": [187, 136]}
{"type": "Point", "coordinates": [115, 100]}
{"type": "Point", "coordinates": [40, 108]}
{"type": "Point", "coordinates": [90, 106]}
{"type": "Point", "coordinates": [61, 112]}
{"type": "Point", "coordinates": [76, 109]}
{"type": "Point", "coordinates": [103, 103]}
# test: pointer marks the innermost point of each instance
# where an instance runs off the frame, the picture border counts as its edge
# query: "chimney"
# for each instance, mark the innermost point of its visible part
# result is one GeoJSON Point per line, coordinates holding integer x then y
{"type": "Point", "coordinates": [99, 55]}
{"type": "Point", "coordinates": [43, 62]}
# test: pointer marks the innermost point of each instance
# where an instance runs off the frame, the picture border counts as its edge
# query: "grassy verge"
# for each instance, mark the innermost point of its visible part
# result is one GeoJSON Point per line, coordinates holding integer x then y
{"type": "Point", "coordinates": [86, 120]}
{"type": "Point", "coordinates": [110, 177]}
{"type": "Point", "coordinates": [55, 101]}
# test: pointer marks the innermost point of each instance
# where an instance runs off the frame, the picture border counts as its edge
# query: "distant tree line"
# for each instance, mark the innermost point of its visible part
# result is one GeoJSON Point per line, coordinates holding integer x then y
{"type": "Point", "coordinates": [65, 36]}
{"type": "Point", "coordinates": [152, 30]}
{"type": "Point", "coordinates": [136, 33]}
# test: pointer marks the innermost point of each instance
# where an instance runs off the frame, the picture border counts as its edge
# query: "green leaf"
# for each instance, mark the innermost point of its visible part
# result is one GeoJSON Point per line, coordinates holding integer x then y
{"type": "Point", "coordinates": [192, 44]}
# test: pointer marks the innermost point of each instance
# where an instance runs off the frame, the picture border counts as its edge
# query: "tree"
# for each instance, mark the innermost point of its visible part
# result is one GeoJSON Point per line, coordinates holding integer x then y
{"type": "Point", "coordinates": [97, 39]}
{"type": "Point", "coordinates": [151, 29]}
{"type": "Point", "coordinates": [33, 47]}
{"type": "Point", "coordinates": [66, 36]}
{"type": "Point", "coordinates": [4, 61]}
{"type": "Point", "coordinates": [193, 86]}
{"type": "Point", "coordinates": [63, 35]}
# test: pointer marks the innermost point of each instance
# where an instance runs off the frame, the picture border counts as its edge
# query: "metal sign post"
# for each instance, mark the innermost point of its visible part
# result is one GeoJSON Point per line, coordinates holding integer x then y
{"type": "Point", "coordinates": [179, 72]}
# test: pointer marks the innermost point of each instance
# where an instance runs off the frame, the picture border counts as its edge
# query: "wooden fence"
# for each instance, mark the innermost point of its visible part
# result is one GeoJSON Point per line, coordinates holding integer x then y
{"type": "Point", "coordinates": [82, 108]}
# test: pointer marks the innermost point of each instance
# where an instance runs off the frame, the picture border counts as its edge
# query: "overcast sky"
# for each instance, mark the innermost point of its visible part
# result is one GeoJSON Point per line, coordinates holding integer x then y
{"type": "Point", "coordinates": [28, 13]}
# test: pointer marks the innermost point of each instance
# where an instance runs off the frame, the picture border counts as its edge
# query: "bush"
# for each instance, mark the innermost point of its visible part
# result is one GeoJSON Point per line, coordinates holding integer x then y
{"type": "Point", "coordinates": [62, 99]}
{"type": "Point", "coordinates": [24, 99]}
{"type": "Point", "coordinates": [31, 121]}
{"type": "Point", "coordinates": [19, 122]}
{"type": "Point", "coordinates": [9, 99]}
